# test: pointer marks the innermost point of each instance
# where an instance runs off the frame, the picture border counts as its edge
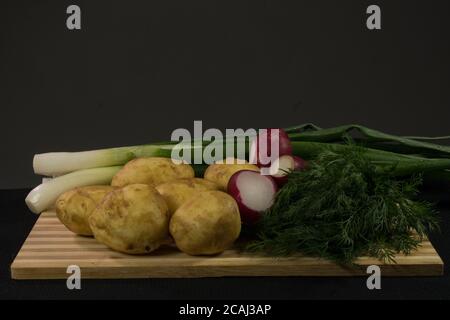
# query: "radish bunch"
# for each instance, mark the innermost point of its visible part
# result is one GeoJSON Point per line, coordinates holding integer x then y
{"type": "Point", "coordinates": [255, 192]}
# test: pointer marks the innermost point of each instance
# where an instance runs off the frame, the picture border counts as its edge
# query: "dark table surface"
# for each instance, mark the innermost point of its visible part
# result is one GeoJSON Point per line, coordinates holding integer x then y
{"type": "Point", "coordinates": [16, 222]}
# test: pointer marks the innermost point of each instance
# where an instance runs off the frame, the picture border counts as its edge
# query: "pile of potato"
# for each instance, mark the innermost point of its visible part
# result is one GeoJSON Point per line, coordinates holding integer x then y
{"type": "Point", "coordinates": [151, 202]}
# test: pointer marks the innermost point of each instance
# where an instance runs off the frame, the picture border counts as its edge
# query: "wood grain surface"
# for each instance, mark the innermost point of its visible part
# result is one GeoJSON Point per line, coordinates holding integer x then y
{"type": "Point", "coordinates": [50, 248]}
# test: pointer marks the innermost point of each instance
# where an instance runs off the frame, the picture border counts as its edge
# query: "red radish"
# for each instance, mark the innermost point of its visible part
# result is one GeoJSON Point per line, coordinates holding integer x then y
{"type": "Point", "coordinates": [299, 164]}
{"type": "Point", "coordinates": [253, 192]}
{"type": "Point", "coordinates": [261, 147]}
{"type": "Point", "coordinates": [281, 167]}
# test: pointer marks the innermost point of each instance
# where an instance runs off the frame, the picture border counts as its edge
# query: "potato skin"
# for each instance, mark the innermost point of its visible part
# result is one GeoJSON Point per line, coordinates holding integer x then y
{"type": "Point", "coordinates": [74, 207]}
{"type": "Point", "coordinates": [132, 219]}
{"type": "Point", "coordinates": [208, 223]}
{"type": "Point", "coordinates": [221, 173]}
{"type": "Point", "coordinates": [152, 171]}
{"type": "Point", "coordinates": [177, 192]}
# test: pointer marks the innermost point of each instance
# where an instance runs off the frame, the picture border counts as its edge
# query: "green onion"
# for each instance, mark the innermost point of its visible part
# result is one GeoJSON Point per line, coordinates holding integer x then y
{"type": "Point", "coordinates": [44, 196]}
{"type": "Point", "coordinates": [399, 164]}
{"type": "Point", "coordinates": [58, 163]}
{"type": "Point", "coordinates": [370, 138]}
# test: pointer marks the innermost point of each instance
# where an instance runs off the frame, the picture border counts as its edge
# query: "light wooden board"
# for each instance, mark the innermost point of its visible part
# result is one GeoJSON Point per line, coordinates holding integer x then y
{"type": "Point", "coordinates": [50, 248]}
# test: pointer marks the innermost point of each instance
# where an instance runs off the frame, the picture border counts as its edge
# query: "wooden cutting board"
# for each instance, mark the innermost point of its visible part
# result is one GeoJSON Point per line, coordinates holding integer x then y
{"type": "Point", "coordinates": [50, 248]}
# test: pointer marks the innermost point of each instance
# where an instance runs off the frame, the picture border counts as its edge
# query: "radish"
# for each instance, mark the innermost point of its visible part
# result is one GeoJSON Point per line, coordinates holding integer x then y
{"type": "Point", "coordinates": [253, 192]}
{"type": "Point", "coordinates": [280, 169]}
{"type": "Point", "coordinates": [299, 164]}
{"type": "Point", "coordinates": [261, 147]}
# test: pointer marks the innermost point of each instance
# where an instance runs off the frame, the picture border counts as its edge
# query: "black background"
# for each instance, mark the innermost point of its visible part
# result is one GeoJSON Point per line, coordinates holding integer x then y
{"type": "Point", "coordinates": [139, 69]}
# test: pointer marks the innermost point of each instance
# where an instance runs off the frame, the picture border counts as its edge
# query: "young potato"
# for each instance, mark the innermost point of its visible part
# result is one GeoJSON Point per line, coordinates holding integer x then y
{"type": "Point", "coordinates": [179, 191]}
{"type": "Point", "coordinates": [208, 223]}
{"type": "Point", "coordinates": [152, 171]}
{"type": "Point", "coordinates": [74, 207]}
{"type": "Point", "coordinates": [221, 172]}
{"type": "Point", "coordinates": [132, 219]}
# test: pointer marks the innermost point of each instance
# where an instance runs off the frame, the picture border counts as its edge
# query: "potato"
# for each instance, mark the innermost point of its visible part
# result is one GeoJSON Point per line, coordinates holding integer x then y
{"type": "Point", "coordinates": [74, 207]}
{"type": "Point", "coordinates": [208, 223]}
{"type": "Point", "coordinates": [179, 191]}
{"type": "Point", "coordinates": [133, 219]}
{"type": "Point", "coordinates": [221, 173]}
{"type": "Point", "coordinates": [152, 171]}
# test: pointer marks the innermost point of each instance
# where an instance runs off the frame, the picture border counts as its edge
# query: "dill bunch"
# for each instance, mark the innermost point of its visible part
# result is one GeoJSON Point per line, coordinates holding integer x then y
{"type": "Point", "coordinates": [343, 207]}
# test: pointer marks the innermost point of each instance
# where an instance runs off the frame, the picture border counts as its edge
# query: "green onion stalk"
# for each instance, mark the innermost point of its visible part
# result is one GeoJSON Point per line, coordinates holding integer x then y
{"type": "Point", "coordinates": [44, 196]}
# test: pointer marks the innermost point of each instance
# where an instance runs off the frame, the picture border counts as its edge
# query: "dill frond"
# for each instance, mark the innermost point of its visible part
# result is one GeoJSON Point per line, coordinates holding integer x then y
{"type": "Point", "coordinates": [343, 207]}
